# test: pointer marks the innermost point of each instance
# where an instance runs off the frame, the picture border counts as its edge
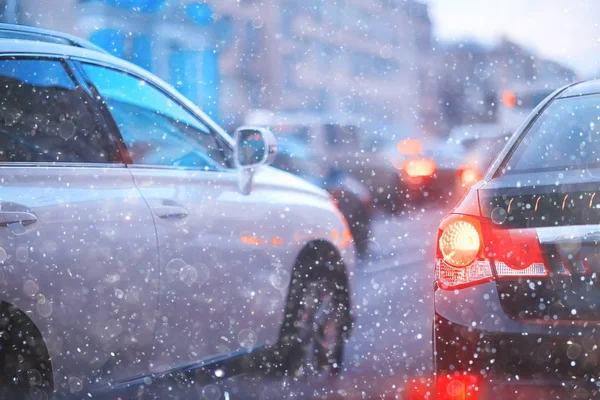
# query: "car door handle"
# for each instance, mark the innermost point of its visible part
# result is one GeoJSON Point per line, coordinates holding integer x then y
{"type": "Point", "coordinates": [170, 212]}
{"type": "Point", "coordinates": [13, 217]}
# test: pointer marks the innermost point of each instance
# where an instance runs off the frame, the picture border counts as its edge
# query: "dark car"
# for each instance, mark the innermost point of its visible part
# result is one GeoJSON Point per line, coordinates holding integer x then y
{"type": "Point", "coordinates": [351, 196]}
{"type": "Point", "coordinates": [427, 170]}
{"type": "Point", "coordinates": [517, 290]}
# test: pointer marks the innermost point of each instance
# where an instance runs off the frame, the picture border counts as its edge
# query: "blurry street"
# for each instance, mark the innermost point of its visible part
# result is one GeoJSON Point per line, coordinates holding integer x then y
{"type": "Point", "coordinates": [392, 338]}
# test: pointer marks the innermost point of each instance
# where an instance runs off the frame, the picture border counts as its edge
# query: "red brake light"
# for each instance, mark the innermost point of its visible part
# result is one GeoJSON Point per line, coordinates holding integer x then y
{"type": "Point", "coordinates": [460, 243]}
{"type": "Point", "coordinates": [460, 259]}
{"type": "Point", "coordinates": [445, 387]}
{"type": "Point", "coordinates": [460, 387]}
{"type": "Point", "coordinates": [419, 167]}
{"type": "Point", "coordinates": [472, 250]}
{"type": "Point", "coordinates": [469, 176]}
{"type": "Point", "coordinates": [516, 252]}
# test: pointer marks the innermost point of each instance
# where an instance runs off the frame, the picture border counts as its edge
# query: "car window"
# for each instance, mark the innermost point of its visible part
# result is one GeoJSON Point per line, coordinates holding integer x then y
{"type": "Point", "coordinates": [156, 129]}
{"type": "Point", "coordinates": [565, 136]}
{"type": "Point", "coordinates": [46, 117]}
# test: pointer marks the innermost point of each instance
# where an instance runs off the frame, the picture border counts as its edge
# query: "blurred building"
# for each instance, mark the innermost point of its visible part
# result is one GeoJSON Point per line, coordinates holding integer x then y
{"type": "Point", "coordinates": [474, 78]}
{"type": "Point", "coordinates": [178, 40]}
{"type": "Point", "coordinates": [367, 59]}
{"type": "Point", "coordinates": [347, 57]}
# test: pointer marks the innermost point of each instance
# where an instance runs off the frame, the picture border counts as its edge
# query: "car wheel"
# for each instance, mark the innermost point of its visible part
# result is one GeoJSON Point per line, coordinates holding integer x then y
{"type": "Point", "coordinates": [318, 324]}
{"type": "Point", "coordinates": [25, 368]}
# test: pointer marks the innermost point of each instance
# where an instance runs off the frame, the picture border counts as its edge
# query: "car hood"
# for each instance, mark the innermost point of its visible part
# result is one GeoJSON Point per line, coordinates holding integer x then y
{"type": "Point", "coordinates": [274, 177]}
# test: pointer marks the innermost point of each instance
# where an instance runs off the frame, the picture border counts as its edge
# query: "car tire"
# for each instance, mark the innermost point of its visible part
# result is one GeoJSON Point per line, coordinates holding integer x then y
{"type": "Point", "coordinates": [25, 368]}
{"type": "Point", "coordinates": [317, 321]}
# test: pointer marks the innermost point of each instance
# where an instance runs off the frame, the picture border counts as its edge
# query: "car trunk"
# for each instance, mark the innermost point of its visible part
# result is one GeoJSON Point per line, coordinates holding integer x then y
{"type": "Point", "coordinates": [563, 208]}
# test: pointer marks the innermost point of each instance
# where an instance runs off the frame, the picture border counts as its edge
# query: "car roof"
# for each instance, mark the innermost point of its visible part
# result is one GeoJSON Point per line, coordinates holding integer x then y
{"type": "Point", "coordinates": [19, 47]}
{"type": "Point", "coordinates": [25, 32]}
{"type": "Point", "coordinates": [25, 47]}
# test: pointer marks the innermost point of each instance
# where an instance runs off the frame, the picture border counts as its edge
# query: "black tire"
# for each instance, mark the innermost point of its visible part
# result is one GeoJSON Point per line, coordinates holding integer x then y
{"type": "Point", "coordinates": [25, 369]}
{"type": "Point", "coordinates": [317, 320]}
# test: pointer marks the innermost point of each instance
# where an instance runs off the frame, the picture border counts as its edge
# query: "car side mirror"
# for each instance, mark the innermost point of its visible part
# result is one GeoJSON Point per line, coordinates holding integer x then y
{"type": "Point", "coordinates": [253, 147]}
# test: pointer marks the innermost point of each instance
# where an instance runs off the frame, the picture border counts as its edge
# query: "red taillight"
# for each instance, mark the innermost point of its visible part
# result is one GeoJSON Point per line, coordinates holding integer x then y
{"type": "Point", "coordinates": [460, 242]}
{"type": "Point", "coordinates": [472, 250]}
{"type": "Point", "coordinates": [445, 387]}
{"type": "Point", "coordinates": [460, 260]}
{"type": "Point", "coordinates": [419, 167]}
{"type": "Point", "coordinates": [469, 176]}
{"type": "Point", "coordinates": [460, 387]}
{"type": "Point", "coordinates": [515, 252]}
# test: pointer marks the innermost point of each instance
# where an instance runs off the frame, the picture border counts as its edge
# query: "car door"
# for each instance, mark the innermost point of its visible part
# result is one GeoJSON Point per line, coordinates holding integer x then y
{"type": "Point", "coordinates": [216, 296]}
{"type": "Point", "coordinates": [78, 248]}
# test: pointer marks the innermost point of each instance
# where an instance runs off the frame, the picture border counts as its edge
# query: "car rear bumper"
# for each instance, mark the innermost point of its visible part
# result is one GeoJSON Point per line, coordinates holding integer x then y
{"type": "Point", "coordinates": [473, 335]}
{"type": "Point", "coordinates": [540, 389]}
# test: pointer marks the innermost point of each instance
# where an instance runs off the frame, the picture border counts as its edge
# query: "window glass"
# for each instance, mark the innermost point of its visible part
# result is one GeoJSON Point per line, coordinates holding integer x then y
{"type": "Point", "coordinates": [156, 129]}
{"type": "Point", "coordinates": [45, 117]}
{"type": "Point", "coordinates": [565, 136]}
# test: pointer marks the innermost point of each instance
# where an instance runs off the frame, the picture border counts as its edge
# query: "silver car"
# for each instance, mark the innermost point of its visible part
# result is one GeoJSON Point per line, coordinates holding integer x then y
{"type": "Point", "coordinates": [137, 239]}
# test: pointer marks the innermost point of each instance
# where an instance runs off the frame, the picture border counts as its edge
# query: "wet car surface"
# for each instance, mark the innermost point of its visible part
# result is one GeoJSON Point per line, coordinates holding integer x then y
{"type": "Point", "coordinates": [122, 208]}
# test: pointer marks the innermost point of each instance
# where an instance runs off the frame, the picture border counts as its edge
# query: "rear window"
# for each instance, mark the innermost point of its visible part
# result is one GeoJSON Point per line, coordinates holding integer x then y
{"type": "Point", "coordinates": [566, 136]}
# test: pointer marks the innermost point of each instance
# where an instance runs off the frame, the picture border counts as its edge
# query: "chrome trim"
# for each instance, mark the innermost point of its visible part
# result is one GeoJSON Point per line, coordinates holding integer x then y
{"type": "Point", "coordinates": [176, 168]}
{"type": "Point", "coordinates": [73, 40]}
{"type": "Point", "coordinates": [579, 233]}
{"type": "Point", "coordinates": [216, 362]}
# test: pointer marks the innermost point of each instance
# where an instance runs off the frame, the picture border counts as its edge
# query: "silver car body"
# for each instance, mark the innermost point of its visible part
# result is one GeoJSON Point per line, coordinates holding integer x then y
{"type": "Point", "coordinates": [140, 270]}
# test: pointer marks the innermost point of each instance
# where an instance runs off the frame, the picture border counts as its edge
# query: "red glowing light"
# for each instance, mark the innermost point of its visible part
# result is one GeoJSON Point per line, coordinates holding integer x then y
{"type": "Point", "coordinates": [470, 176]}
{"type": "Point", "coordinates": [410, 147]}
{"type": "Point", "coordinates": [468, 246]}
{"type": "Point", "coordinates": [459, 387]}
{"type": "Point", "coordinates": [420, 167]}
{"type": "Point", "coordinates": [509, 98]}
